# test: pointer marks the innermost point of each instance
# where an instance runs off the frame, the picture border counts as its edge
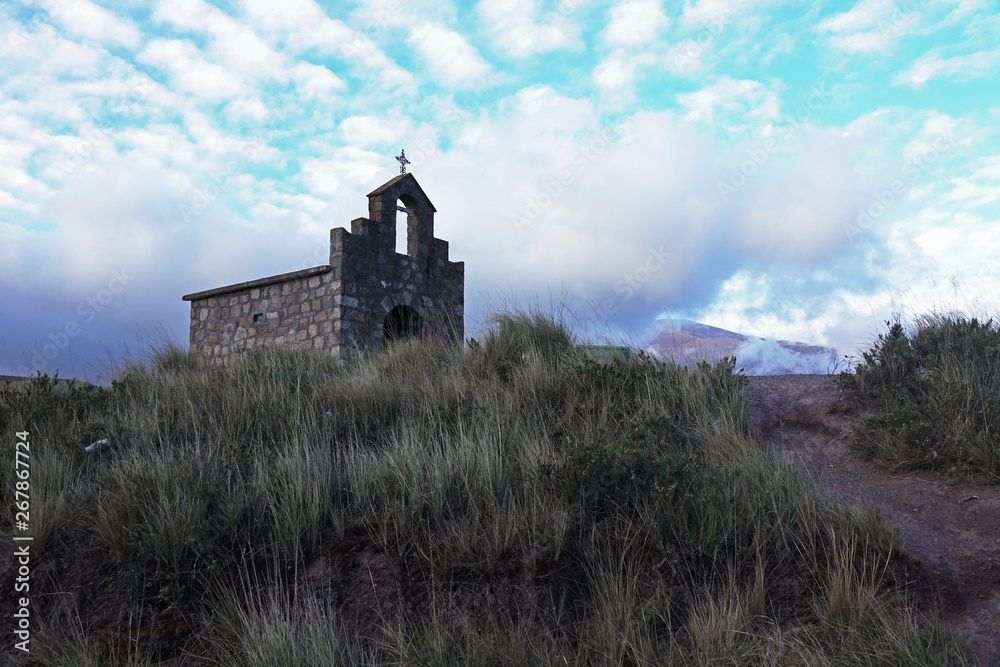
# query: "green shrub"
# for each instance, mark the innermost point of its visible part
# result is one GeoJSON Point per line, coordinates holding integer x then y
{"type": "Point", "coordinates": [935, 394]}
{"type": "Point", "coordinates": [623, 473]}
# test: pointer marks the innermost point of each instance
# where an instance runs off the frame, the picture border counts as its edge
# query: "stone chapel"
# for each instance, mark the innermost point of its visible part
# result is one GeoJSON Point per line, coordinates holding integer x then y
{"type": "Point", "coordinates": [366, 297]}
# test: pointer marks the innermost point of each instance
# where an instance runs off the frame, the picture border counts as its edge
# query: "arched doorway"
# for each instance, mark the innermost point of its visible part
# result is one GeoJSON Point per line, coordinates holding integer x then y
{"type": "Point", "coordinates": [401, 322]}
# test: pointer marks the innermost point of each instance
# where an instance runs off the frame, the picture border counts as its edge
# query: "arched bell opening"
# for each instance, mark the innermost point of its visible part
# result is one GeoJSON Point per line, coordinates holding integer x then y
{"type": "Point", "coordinates": [406, 218]}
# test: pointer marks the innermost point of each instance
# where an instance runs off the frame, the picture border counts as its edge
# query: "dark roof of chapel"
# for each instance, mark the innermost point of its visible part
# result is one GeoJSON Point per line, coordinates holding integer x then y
{"type": "Point", "coordinates": [388, 184]}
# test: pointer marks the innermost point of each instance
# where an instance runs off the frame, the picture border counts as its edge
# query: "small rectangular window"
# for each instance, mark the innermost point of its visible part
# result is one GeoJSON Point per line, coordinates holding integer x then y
{"type": "Point", "coordinates": [258, 317]}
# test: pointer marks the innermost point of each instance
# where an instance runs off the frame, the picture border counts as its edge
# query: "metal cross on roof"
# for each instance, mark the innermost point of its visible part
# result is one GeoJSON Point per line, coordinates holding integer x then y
{"type": "Point", "coordinates": [401, 158]}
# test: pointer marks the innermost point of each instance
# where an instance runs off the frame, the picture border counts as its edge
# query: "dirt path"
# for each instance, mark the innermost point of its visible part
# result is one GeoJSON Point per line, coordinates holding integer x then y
{"type": "Point", "coordinates": [953, 530]}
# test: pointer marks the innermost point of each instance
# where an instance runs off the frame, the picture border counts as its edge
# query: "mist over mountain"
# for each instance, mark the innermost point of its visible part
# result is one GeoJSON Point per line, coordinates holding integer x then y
{"type": "Point", "coordinates": [688, 342]}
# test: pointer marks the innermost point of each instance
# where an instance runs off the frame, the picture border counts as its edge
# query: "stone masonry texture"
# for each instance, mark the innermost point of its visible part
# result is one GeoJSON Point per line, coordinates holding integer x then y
{"type": "Point", "coordinates": [368, 293]}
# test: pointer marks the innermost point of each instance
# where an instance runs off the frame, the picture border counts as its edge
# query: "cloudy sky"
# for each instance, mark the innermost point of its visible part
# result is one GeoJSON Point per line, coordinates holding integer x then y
{"type": "Point", "coordinates": [784, 169]}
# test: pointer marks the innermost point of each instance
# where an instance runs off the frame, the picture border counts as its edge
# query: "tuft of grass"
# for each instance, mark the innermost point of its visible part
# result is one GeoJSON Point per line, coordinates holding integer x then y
{"type": "Point", "coordinates": [268, 628]}
{"type": "Point", "coordinates": [170, 357]}
{"type": "Point", "coordinates": [934, 394]}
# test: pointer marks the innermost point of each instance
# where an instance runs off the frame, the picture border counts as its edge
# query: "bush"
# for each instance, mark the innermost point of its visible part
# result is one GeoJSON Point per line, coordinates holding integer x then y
{"type": "Point", "coordinates": [513, 338]}
{"type": "Point", "coordinates": [622, 474]}
{"type": "Point", "coordinates": [935, 393]}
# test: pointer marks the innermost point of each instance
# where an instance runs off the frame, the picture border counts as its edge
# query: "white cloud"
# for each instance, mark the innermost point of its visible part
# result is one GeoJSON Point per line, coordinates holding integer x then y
{"type": "Point", "coordinates": [745, 99]}
{"type": "Point", "coordinates": [614, 73]}
{"type": "Point", "coordinates": [12, 122]}
{"type": "Point", "coordinates": [536, 106]}
{"type": "Point", "coordinates": [157, 146]}
{"type": "Point", "coordinates": [315, 80]}
{"type": "Point", "coordinates": [963, 9]}
{"type": "Point", "coordinates": [305, 26]}
{"type": "Point", "coordinates": [234, 44]}
{"type": "Point", "coordinates": [244, 52]}
{"type": "Point", "coordinates": [516, 29]}
{"type": "Point", "coordinates": [931, 66]}
{"type": "Point", "coordinates": [247, 107]}
{"type": "Point", "coordinates": [685, 58]}
{"type": "Point", "coordinates": [190, 71]}
{"type": "Point", "coordinates": [717, 13]}
{"type": "Point", "coordinates": [85, 19]}
{"type": "Point", "coordinates": [937, 134]}
{"type": "Point", "coordinates": [617, 72]}
{"type": "Point", "coordinates": [796, 209]}
{"type": "Point", "coordinates": [980, 188]}
{"type": "Point", "coordinates": [14, 178]}
{"type": "Point", "coordinates": [635, 22]}
{"type": "Point", "coordinates": [209, 138]}
{"type": "Point", "coordinates": [348, 168]}
{"type": "Point", "coordinates": [451, 59]}
{"type": "Point", "coordinates": [46, 53]}
{"type": "Point", "coordinates": [365, 131]}
{"type": "Point", "coordinates": [864, 15]}
{"type": "Point", "coordinates": [871, 26]}
{"type": "Point", "coordinates": [287, 15]}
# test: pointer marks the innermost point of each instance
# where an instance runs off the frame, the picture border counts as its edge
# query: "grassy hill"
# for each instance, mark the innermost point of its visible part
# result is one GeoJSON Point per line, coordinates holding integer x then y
{"type": "Point", "coordinates": [519, 502]}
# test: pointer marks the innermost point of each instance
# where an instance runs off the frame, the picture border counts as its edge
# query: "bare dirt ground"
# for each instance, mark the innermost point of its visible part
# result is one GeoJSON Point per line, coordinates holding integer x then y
{"type": "Point", "coordinates": [953, 530]}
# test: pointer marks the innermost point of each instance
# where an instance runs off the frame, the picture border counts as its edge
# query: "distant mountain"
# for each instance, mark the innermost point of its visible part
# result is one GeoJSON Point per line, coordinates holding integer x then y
{"type": "Point", "coordinates": [688, 342]}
